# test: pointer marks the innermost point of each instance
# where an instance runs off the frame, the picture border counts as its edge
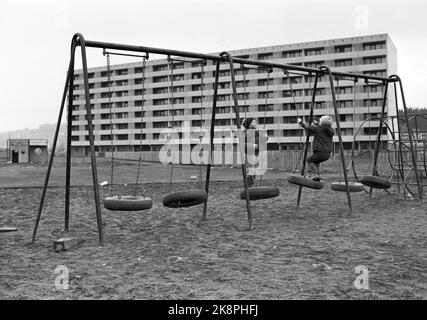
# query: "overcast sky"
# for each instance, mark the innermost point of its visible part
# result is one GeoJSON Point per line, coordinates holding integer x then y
{"type": "Point", "coordinates": [35, 38]}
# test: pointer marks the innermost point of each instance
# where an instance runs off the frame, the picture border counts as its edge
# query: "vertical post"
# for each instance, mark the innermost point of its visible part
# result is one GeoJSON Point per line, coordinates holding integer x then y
{"type": "Point", "coordinates": [337, 120]}
{"type": "Point", "coordinates": [55, 140]}
{"type": "Point", "coordinates": [411, 142]}
{"type": "Point", "coordinates": [91, 140]}
{"type": "Point", "coordinates": [236, 110]}
{"type": "Point", "coordinates": [211, 138]}
{"type": "Point", "coordinates": [307, 139]}
{"type": "Point", "coordinates": [68, 150]}
{"type": "Point", "coordinates": [399, 150]}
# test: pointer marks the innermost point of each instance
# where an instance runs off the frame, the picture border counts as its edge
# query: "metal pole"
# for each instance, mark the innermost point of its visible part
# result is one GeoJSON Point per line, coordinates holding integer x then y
{"type": "Point", "coordinates": [378, 142]}
{"type": "Point", "coordinates": [91, 141]}
{"type": "Point", "coordinates": [211, 138]}
{"type": "Point", "coordinates": [236, 110]}
{"type": "Point", "coordinates": [411, 142]}
{"type": "Point", "coordinates": [55, 140]}
{"type": "Point", "coordinates": [337, 120]}
{"type": "Point", "coordinates": [68, 151]}
{"type": "Point", "coordinates": [307, 139]}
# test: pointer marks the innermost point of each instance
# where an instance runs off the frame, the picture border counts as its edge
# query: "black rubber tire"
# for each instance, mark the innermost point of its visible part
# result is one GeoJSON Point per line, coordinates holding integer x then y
{"type": "Point", "coordinates": [375, 182]}
{"type": "Point", "coordinates": [301, 181]}
{"type": "Point", "coordinates": [259, 193]}
{"type": "Point", "coordinates": [127, 203]}
{"type": "Point", "coordinates": [341, 186]}
{"type": "Point", "coordinates": [182, 199]}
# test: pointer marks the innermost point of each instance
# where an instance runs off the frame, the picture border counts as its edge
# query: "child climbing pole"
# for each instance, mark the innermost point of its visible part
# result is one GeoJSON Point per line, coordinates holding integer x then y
{"type": "Point", "coordinates": [322, 142]}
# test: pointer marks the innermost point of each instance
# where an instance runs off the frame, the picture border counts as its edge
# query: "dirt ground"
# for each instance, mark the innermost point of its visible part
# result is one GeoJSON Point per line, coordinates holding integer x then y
{"type": "Point", "coordinates": [163, 253]}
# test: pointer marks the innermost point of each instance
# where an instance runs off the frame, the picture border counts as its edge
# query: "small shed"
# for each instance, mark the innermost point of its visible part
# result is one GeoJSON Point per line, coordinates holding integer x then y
{"type": "Point", "coordinates": [27, 150]}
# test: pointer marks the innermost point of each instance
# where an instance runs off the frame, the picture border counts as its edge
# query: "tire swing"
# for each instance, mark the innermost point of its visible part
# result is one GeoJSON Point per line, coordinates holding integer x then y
{"type": "Point", "coordinates": [352, 186]}
{"type": "Point", "coordinates": [127, 202]}
{"type": "Point", "coordinates": [258, 192]}
{"type": "Point", "coordinates": [189, 197]}
{"type": "Point", "coordinates": [374, 180]}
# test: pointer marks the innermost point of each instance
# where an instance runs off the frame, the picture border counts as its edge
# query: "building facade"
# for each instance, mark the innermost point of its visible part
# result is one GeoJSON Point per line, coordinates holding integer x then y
{"type": "Point", "coordinates": [172, 96]}
{"type": "Point", "coordinates": [27, 150]}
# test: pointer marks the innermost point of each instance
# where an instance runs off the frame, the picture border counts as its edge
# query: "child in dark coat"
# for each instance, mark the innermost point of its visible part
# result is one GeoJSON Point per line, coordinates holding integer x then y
{"type": "Point", "coordinates": [322, 142]}
{"type": "Point", "coordinates": [251, 147]}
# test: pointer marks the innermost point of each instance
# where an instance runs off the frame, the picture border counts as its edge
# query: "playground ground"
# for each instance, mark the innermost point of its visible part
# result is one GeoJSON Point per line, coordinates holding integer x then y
{"type": "Point", "coordinates": [309, 253]}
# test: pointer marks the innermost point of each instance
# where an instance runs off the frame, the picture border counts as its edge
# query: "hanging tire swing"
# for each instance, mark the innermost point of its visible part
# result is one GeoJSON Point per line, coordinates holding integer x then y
{"type": "Point", "coordinates": [341, 186]}
{"type": "Point", "coordinates": [304, 182]}
{"type": "Point", "coordinates": [128, 203]}
{"type": "Point", "coordinates": [375, 182]}
{"type": "Point", "coordinates": [187, 198]}
{"type": "Point", "coordinates": [260, 193]}
{"type": "Point", "coordinates": [182, 199]}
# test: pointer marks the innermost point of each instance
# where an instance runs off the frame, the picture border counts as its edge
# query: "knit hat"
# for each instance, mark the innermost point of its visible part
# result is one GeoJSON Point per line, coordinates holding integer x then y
{"type": "Point", "coordinates": [326, 121]}
{"type": "Point", "coordinates": [247, 122]}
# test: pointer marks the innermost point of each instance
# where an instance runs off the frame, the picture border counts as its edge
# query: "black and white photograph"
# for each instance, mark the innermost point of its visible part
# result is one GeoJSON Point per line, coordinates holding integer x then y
{"type": "Point", "coordinates": [213, 155]}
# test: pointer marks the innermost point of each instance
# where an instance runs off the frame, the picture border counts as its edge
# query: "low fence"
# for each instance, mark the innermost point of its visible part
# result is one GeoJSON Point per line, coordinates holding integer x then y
{"type": "Point", "coordinates": [277, 160]}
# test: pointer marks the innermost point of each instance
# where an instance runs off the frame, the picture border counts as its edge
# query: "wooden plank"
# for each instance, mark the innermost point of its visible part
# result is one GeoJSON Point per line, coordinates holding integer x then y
{"type": "Point", "coordinates": [8, 229]}
{"type": "Point", "coordinates": [66, 243]}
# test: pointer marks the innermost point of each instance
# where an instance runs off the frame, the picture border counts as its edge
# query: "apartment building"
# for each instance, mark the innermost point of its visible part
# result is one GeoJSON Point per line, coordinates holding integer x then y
{"type": "Point", "coordinates": [173, 97]}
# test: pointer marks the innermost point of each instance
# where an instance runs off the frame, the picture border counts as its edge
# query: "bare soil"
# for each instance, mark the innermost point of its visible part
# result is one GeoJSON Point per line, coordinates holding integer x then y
{"type": "Point", "coordinates": [163, 253]}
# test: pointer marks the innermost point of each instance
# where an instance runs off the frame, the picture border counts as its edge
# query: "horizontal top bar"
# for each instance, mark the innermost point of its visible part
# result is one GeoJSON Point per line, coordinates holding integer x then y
{"type": "Point", "coordinates": [133, 48]}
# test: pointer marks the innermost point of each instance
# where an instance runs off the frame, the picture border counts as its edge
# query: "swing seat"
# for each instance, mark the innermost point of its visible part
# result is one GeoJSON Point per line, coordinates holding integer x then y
{"type": "Point", "coordinates": [259, 193]}
{"type": "Point", "coordinates": [127, 203]}
{"type": "Point", "coordinates": [375, 182]}
{"type": "Point", "coordinates": [187, 198]}
{"type": "Point", "coordinates": [304, 182]}
{"type": "Point", "coordinates": [341, 186]}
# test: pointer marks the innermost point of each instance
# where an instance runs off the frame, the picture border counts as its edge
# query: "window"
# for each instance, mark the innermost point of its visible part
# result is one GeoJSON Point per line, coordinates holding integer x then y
{"type": "Point", "coordinates": [263, 82]}
{"type": "Point", "coordinates": [105, 84]}
{"type": "Point", "coordinates": [297, 93]}
{"type": "Point", "coordinates": [105, 73]}
{"type": "Point", "coordinates": [263, 107]}
{"type": "Point", "coordinates": [224, 73]}
{"type": "Point", "coordinates": [105, 116]}
{"type": "Point", "coordinates": [138, 125]}
{"type": "Point", "coordinates": [122, 137]}
{"type": "Point", "coordinates": [374, 45]}
{"type": "Point", "coordinates": [160, 90]}
{"type": "Point", "coordinates": [160, 102]}
{"type": "Point", "coordinates": [159, 125]}
{"type": "Point", "coordinates": [139, 103]}
{"type": "Point", "coordinates": [178, 77]}
{"type": "Point", "coordinates": [345, 104]}
{"type": "Point", "coordinates": [343, 63]}
{"type": "Point", "coordinates": [160, 79]}
{"type": "Point", "coordinates": [377, 73]}
{"type": "Point", "coordinates": [105, 127]}
{"type": "Point", "coordinates": [314, 51]}
{"type": "Point", "coordinates": [105, 105]}
{"type": "Point", "coordinates": [122, 104]}
{"type": "Point", "coordinates": [196, 99]}
{"type": "Point", "coordinates": [121, 126]}
{"type": "Point", "coordinates": [265, 56]}
{"type": "Point", "coordinates": [224, 85]}
{"type": "Point", "coordinates": [138, 114]}
{"type": "Point", "coordinates": [160, 113]}
{"type": "Point", "coordinates": [121, 115]}
{"type": "Point", "coordinates": [178, 89]}
{"type": "Point", "coordinates": [222, 122]}
{"type": "Point", "coordinates": [122, 94]}
{"type": "Point", "coordinates": [161, 67]}
{"type": "Point", "coordinates": [156, 136]}
{"type": "Point", "coordinates": [267, 120]}
{"type": "Point", "coordinates": [343, 48]}
{"type": "Point", "coordinates": [344, 90]}
{"type": "Point", "coordinates": [292, 106]}
{"type": "Point", "coordinates": [138, 81]}
{"type": "Point", "coordinates": [374, 60]}
{"type": "Point", "coordinates": [178, 112]}
{"type": "Point", "coordinates": [178, 100]}
{"type": "Point", "coordinates": [293, 80]}
{"type": "Point", "coordinates": [242, 96]}
{"type": "Point", "coordinates": [139, 136]}
{"type": "Point", "coordinates": [239, 84]}
{"type": "Point", "coordinates": [243, 109]}
{"type": "Point", "coordinates": [291, 54]}
{"type": "Point", "coordinates": [263, 95]}
{"type": "Point", "coordinates": [121, 83]}
{"type": "Point", "coordinates": [121, 72]}
{"type": "Point", "coordinates": [196, 75]}
{"type": "Point", "coordinates": [178, 66]}
{"type": "Point", "coordinates": [223, 110]}
{"type": "Point", "coordinates": [223, 97]}
{"type": "Point", "coordinates": [91, 75]}
{"type": "Point", "coordinates": [290, 120]}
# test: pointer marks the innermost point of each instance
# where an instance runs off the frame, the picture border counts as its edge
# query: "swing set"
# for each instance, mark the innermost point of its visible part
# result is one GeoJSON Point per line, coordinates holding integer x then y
{"type": "Point", "coordinates": [198, 196]}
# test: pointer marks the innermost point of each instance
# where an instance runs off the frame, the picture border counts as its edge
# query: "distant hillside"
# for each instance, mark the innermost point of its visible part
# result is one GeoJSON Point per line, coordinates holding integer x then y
{"type": "Point", "coordinates": [421, 121]}
{"type": "Point", "coordinates": [45, 131]}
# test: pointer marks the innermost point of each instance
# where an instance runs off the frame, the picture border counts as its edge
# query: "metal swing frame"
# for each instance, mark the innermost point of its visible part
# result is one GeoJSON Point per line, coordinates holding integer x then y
{"type": "Point", "coordinates": [79, 41]}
